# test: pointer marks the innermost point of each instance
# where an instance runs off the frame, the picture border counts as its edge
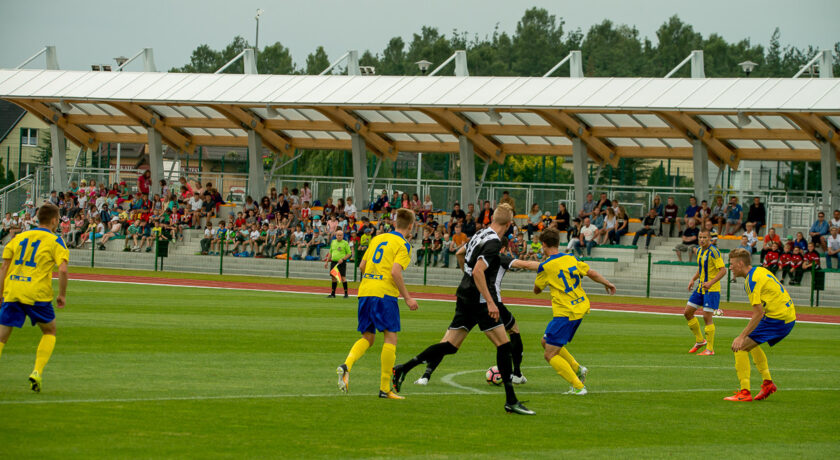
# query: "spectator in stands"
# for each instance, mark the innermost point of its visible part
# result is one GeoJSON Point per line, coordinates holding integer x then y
{"type": "Point", "coordinates": [734, 216]}
{"type": "Point", "coordinates": [456, 215]}
{"type": "Point", "coordinates": [690, 213]}
{"type": "Point", "coordinates": [757, 215]}
{"type": "Point", "coordinates": [819, 230]}
{"type": "Point", "coordinates": [622, 224]}
{"type": "Point", "coordinates": [598, 221]}
{"type": "Point", "coordinates": [471, 209]}
{"type": "Point", "coordinates": [423, 250]}
{"type": "Point", "coordinates": [207, 239]}
{"type": "Point", "coordinates": [534, 219]}
{"type": "Point", "coordinates": [602, 204]}
{"type": "Point", "coordinates": [811, 258]}
{"type": "Point", "coordinates": [115, 230]}
{"type": "Point", "coordinates": [713, 234]}
{"type": "Point", "coordinates": [796, 261]}
{"type": "Point", "coordinates": [770, 238]}
{"type": "Point", "coordinates": [133, 236]}
{"type": "Point", "coordinates": [534, 250]}
{"type": "Point", "coordinates": [144, 182]}
{"type": "Point", "coordinates": [703, 214]}
{"type": "Point", "coordinates": [658, 206]}
{"type": "Point", "coordinates": [282, 208]}
{"type": "Point", "coordinates": [689, 240]}
{"type": "Point", "coordinates": [563, 219]}
{"type": "Point", "coordinates": [381, 203]}
{"type": "Point", "coordinates": [670, 217]}
{"type": "Point", "coordinates": [607, 232]}
{"type": "Point", "coordinates": [587, 237]}
{"type": "Point", "coordinates": [770, 258]}
{"type": "Point", "coordinates": [744, 243]}
{"type": "Point", "coordinates": [507, 199]}
{"type": "Point", "coordinates": [64, 229]}
{"type": "Point", "coordinates": [427, 209]}
{"type": "Point", "coordinates": [76, 230]}
{"type": "Point", "coordinates": [719, 214]}
{"type": "Point", "coordinates": [437, 247]}
{"type": "Point", "coordinates": [588, 206]}
{"type": "Point", "coordinates": [835, 221]}
{"type": "Point", "coordinates": [832, 250]}
{"type": "Point", "coordinates": [647, 228]}
{"type": "Point", "coordinates": [306, 193]}
{"type": "Point", "coordinates": [349, 208]}
{"type": "Point", "coordinates": [785, 260]}
{"type": "Point", "coordinates": [573, 234]}
{"type": "Point", "coordinates": [459, 240]}
{"type": "Point", "coordinates": [752, 238]}
{"type": "Point", "coordinates": [486, 215]}
{"type": "Point", "coordinates": [7, 227]}
{"type": "Point", "coordinates": [800, 241]}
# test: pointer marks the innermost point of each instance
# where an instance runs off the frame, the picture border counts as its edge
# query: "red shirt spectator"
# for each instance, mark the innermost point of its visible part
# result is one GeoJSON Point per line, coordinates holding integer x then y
{"type": "Point", "coordinates": [813, 257]}
{"type": "Point", "coordinates": [795, 260]}
{"type": "Point", "coordinates": [771, 259]}
{"type": "Point", "coordinates": [144, 181]}
{"type": "Point", "coordinates": [772, 236]}
{"type": "Point", "coordinates": [785, 259]}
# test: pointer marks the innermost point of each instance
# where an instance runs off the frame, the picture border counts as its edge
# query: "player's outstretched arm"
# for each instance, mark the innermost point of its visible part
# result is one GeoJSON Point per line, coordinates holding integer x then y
{"type": "Point", "coordinates": [757, 314]}
{"type": "Point", "coordinates": [397, 275]}
{"type": "Point", "coordinates": [527, 265]}
{"type": "Point", "coordinates": [599, 278]}
{"type": "Point", "coordinates": [3, 270]}
{"type": "Point", "coordinates": [62, 284]}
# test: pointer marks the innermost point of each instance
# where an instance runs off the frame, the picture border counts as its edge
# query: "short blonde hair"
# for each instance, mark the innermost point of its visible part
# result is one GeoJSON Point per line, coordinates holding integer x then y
{"type": "Point", "coordinates": [740, 254]}
{"type": "Point", "coordinates": [403, 218]}
{"type": "Point", "coordinates": [503, 214]}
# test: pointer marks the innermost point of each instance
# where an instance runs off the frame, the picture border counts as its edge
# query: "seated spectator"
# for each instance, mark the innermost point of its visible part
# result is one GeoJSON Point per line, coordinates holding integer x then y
{"type": "Point", "coordinates": [112, 232]}
{"type": "Point", "coordinates": [752, 239]}
{"type": "Point", "coordinates": [757, 215]}
{"type": "Point", "coordinates": [690, 213]}
{"type": "Point", "coordinates": [207, 240]}
{"type": "Point", "coordinates": [835, 221]}
{"type": "Point", "coordinates": [381, 203]}
{"type": "Point", "coordinates": [587, 238]}
{"type": "Point", "coordinates": [819, 231]}
{"type": "Point", "coordinates": [563, 219]}
{"type": "Point", "coordinates": [64, 228]}
{"type": "Point", "coordinates": [800, 241]}
{"type": "Point", "coordinates": [703, 214]}
{"type": "Point", "coordinates": [588, 207]}
{"type": "Point", "coordinates": [658, 206]}
{"type": "Point", "coordinates": [670, 218]}
{"type": "Point", "coordinates": [713, 234]}
{"type": "Point", "coordinates": [689, 240]}
{"type": "Point", "coordinates": [218, 239]}
{"type": "Point", "coordinates": [601, 205]}
{"type": "Point", "coordinates": [437, 246]}
{"type": "Point", "coordinates": [534, 250]}
{"type": "Point", "coordinates": [608, 227]}
{"type": "Point", "coordinates": [485, 216]}
{"type": "Point", "coordinates": [811, 258]}
{"type": "Point", "coordinates": [470, 226]}
{"type": "Point", "coordinates": [622, 225]}
{"type": "Point", "coordinates": [785, 261]}
{"type": "Point", "coordinates": [427, 208]}
{"type": "Point", "coordinates": [647, 228]}
{"type": "Point", "coordinates": [734, 216]}
{"type": "Point", "coordinates": [573, 234]}
{"type": "Point", "coordinates": [770, 238]}
{"type": "Point", "coordinates": [795, 264]}
{"type": "Point", "coordinates": [349, 208]}
{"type": "Point", "coordinates": [329, 208]}
{"type": "Point", "coordinates": [459, 240]}
{"type": "Point", "coordinates": [598, 221]}
{"type": "Point", "coordinates": [534, 219]}
{"type": "Point", "coordinates": [832, 250]}
{"type": "Point", "coordinates": [424, 249]}
{"type": "Point", "coordinates": [508, 200]}
{"type": "Point", "coordinates": [770, 259]}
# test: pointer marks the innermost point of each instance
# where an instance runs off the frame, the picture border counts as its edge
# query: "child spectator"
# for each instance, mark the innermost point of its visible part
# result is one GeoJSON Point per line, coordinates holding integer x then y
{"type": "Point", "coordinates": [785, 260]}
{"type": "Point", "coordinates": [811, 259]}
{"type": "Point", "coordinates": [437, 246]}
{"type": "Point", "coordinates": [795, 263]}
{"type": "Point", "coordinates": [770, 238]}
{"type": "Point", "coordinates": [133, 235]}
{"type": "Point", "coordinates": [752, 239]}
{"type": "Point", "coordinates": [800, 242]}
{"type": "Point", "coordinates": [424, 251]}
{"type": "Point", "coordinates": [218, 238]}
{"type": "Point", "coordinates": [208, 238]}
{"type": "Point", "coordinates": [112, 232]}
{"type": "Point", "coordinates": [770, 260]}
{"type": "Point", "coordinates": [646, 230]}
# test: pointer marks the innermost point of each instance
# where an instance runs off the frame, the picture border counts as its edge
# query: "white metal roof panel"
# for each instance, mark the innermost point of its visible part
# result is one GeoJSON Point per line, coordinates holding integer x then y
{"type": "Point", "coordinates": [623, 120]}
{"type": "Point", "coordinates": [676, 142]}
{"type": "Point", "coordinates": [595, 119]}
{"type": "Point", "coordinates": [435, 91]}
{"type": "Point", "coordinates": [492, 88]}
{"type": "Point", "coordinates": [772, 144]}
{"type": "Point", "coordinates": [162, 86]}
{"type": "Point", "coordinates": [557, 140]}
{"type": "Point", "coordinates": [682, 92]}
{"type": "Point", "coordinates": [812, 93]}
{"type": "Point", "coordinates": [243, 87]}
{"type": "Point", "coordinates": [623, 142]}
{"type": "Point", "coordinates": [557, 89]}
{"type": "Point", "coordinates": [460, 94]}
{"type": "Point", "coordinates": [645, 142]}
{"type": "Point", "coordinates": [830, 100]}
{"type": "Point", "coordinates": [214, 91]}
{"type": "Point", "coordinates": [744, 144]}
{"type": "Point", "coordinates": [650, 91]}
{"type": "Point", "coordinates": [609, 92]}
{"type": "Point", "coordinates": [582, 92]}
{"type": "Point", "coordinates": [776, 122]}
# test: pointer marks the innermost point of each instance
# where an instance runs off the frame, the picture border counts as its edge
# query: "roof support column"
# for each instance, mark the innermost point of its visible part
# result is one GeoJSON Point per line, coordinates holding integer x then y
{"type": "Point", "coordinates": [256, 173]}
{"type": "Point", "coordinates": [467, 157]}
{"type": "Point", "coordinates": [579, 160]}
{"type": "Point", "coordinates": [155, 159]}
{"type": "Point", "coordinates": [701, 170]}
{"type": "Point", "coordinates": [830, 187]}
{"type": "Point", "coordinates": [361, 198]}
{"type": "Point", "coordinates": [59, 158]}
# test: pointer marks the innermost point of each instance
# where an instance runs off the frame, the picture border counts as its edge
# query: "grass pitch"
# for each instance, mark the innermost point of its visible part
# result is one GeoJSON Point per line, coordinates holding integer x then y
{"type": "Point", "coordinates": [147, 371]}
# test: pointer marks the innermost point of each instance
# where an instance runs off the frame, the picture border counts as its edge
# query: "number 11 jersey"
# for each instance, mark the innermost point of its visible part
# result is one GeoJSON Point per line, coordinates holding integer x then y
{"type": "Point", "coordinates": [34, 254]}
{"type": "Point", "coordinates": [563, 273]}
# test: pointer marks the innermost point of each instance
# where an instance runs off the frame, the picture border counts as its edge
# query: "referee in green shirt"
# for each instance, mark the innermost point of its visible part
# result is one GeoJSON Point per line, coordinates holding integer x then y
{"type": "Point", "coordinates": [337, 257]}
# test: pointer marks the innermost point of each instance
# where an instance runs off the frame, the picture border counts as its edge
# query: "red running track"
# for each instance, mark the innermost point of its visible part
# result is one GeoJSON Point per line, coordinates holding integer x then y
{"type": "Point", "coordinates": [606, 306]}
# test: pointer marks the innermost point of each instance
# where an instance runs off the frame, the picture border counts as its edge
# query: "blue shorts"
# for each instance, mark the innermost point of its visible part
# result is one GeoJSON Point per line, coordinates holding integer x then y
{"type": "Point", "coordinates": [379, 314]}
{"type": "Point", "coordinates": [561, 330]}
{"type": "Point", "coordinates": [709, 301]}
{"type": "Point", "coordinates": [13, 314]}
{"type": "Point", "coordinates": [771, 330]}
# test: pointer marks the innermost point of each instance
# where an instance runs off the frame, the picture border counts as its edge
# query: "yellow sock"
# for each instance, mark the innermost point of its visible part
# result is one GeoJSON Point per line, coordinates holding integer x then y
{"type": "Point", "coordinates": [356, 353]}
{"type": "Point", "coordinates": [45, 349]}
{"type": "Point", "coordinates": [1, 348]}
{"type": "Point", "coordinates": [565, 370]}
{"type": "Point", "coordinates": [710, 336]}
{"type": "Point", "coordinates": [564, 353]}
{"type": "Point", "coordinates": [388, 357]}
{"type": "Point", "coordinates": [760, 360]}
{"type": "Point", "coordinates": [742, 368]}
{"type": "Point", "coordinates": [694, 325]}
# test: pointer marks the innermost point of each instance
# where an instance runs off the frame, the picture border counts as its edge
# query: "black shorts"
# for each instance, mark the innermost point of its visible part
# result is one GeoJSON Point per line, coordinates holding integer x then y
{"type": "Point", "coordinates": [468, 315]}
{"type": "Point", "coordinates": [342, 267]}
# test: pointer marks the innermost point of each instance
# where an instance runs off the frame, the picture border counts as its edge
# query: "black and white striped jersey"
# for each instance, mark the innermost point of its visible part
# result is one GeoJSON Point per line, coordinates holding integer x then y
{"type": "Point", "coordinates": [484, 245]}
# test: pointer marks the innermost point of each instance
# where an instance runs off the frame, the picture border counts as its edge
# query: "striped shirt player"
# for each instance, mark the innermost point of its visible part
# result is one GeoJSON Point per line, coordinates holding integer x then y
{"type": "Point", "coordinates": [773, 318]}
{"type": "Point", "coordinates": [382, 283]}
{"type": "Point", "coordinates": [706, 295]}
{"type": "Point", "coordinates": [26, 283]}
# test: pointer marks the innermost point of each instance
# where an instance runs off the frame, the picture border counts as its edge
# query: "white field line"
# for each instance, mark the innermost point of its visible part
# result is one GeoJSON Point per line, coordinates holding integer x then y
{"type": "Point", "coordinates": [417, 297]}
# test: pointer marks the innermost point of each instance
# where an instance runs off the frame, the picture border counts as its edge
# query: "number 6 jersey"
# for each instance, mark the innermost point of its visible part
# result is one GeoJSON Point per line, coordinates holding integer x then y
{"type": "Point", "coordinates": [33, 254]}
{"type": "Point", "coordinates": [564, 273]}
{"type": "Point", "coordinates": [384, 251]}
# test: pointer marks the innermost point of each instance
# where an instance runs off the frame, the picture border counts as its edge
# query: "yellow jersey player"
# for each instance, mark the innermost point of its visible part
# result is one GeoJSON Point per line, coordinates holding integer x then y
{"type": "Point", "coordinates": [382, 283]}
{"type": "Point", "coordinates": [773, 318]}
{"type": "Point", "coordinates": [710, 270]}
{"type": "Point", "coordinates": [26, 283]}
{"type": "Point", "coordinates": [563, 273]}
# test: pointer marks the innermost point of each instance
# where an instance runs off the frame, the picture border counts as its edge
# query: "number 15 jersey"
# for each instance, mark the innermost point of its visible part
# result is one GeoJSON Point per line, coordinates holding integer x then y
{"type": "Point", "coordinates": [34, 255]}
{"type": "Point", "coordinates": [383, 252]}
{"type": "Point", "coordinates": [563, 273]}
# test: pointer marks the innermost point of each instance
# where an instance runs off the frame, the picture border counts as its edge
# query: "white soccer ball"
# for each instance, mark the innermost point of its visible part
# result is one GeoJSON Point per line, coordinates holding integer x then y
{"type": "Point", "coordinates": [494, 377]}
{"type": "Point", "coordinates": [718, 312]}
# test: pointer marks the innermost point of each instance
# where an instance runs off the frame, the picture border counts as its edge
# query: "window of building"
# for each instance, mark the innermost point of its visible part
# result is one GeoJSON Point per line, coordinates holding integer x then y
{"type": "Point", "coordinates": [29, 136]}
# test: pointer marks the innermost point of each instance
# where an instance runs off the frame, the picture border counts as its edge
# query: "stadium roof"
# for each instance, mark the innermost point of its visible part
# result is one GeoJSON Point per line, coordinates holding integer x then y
{"type": "Point", "coordinates": [737, 119]}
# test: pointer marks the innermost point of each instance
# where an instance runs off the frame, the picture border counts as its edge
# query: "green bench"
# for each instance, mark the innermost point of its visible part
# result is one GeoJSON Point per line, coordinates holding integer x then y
{"type": "Point", "coordinates": [619, 246]}
{"type": "Point", "coordinates": [675, 262]}
{"type": "Point", "coordinates": [599, 259]}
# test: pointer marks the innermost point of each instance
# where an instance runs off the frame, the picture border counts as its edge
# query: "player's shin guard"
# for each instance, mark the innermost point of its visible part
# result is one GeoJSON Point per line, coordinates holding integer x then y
{"type": "Point", "coordinates": [710, 336]}
{"type": "Point", "coordinates": [45, 349]}
{"type": "Point", "coordinates": [388, 357]}
{"type": "Point", "coordinates": [760, 360]}
{"type": "Point", "coordinates": [694, 325]}
{"type": "Point", "coordinates": [432, 354]}
{"type": "Point", "coordinates": [356, 353]}
{"type": "Point", "coordinates": [564, 353]}
{"type": "Point", "coordinates": [742, 368]}
{"type": "Point", "coordinates": [565, 370]}
{"type": "Point", "coordinates": [504, 362]}
{"type": "Point", "coordinates": [516, 350]}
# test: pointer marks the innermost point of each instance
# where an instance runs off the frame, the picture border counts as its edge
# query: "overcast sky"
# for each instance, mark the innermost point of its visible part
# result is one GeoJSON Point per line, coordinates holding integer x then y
{"type": "Point", "coordinates": [95, 31]}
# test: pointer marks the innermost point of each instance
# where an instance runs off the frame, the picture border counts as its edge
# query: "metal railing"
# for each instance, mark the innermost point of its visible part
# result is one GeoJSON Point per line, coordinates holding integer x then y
{"type": "Point", "coordinates": [14, 195]}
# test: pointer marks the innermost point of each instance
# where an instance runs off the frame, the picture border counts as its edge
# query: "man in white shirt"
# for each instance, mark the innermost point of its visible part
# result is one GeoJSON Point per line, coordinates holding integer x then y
{"type": "Point", "coordinates": [835, 221]}
{"type": "Point", "coordinates": [349, 208]}
{"type": "Point", "coordinates": [832, 251]}
{"type": "Point", "coordinates": [587, 237]}
{"type": "Point", "coordinates": [195, 203]}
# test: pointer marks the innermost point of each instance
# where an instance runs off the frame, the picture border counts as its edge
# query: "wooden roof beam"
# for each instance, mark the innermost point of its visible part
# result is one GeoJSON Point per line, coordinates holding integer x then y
{"type": "Point", "coordinates": [639, 132]}
{"type": "Point", "coordinates": [376, 143]}
{"type": "Point", "coordinates": [75, 133]}
{"type": "Point", "coordinates": [486, 148]}
{"type": "Point", "coordinates": [569, 124]}
{"type": "Point", "coordinates": [250, 121]}
{"type": "Point", "coordinates": [688, 124]}
{"type": "Point", "coordinates": [811, 124]}
{"type": "Point", "coordinates": [145, 117]}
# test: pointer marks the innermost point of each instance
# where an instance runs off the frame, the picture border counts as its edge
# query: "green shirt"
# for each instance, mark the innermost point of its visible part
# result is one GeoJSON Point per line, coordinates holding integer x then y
{"type": "Point", "coordinates": [339, 250]}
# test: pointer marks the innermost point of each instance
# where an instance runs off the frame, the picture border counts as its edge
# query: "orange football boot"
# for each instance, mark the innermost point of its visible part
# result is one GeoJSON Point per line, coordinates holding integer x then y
{"type": "Point", "coordinates": [767, 389]}
{"type": "Point", "coordinates": [743, 395]}
{"type": "Point", "coordinates": [697, 346]}
{"type": "Point", "coordinates": [706, 352]}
